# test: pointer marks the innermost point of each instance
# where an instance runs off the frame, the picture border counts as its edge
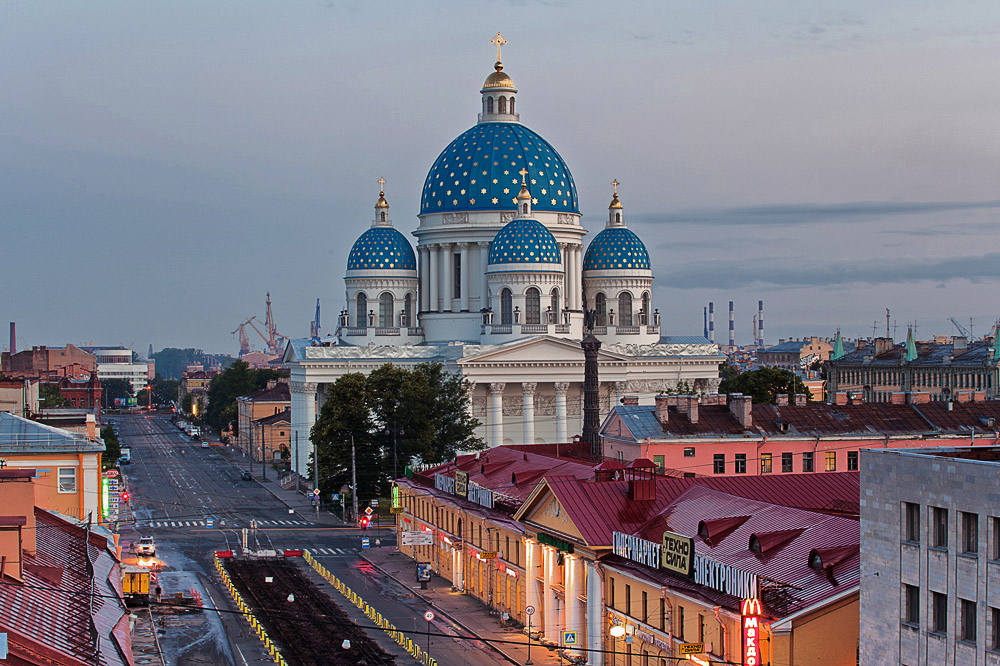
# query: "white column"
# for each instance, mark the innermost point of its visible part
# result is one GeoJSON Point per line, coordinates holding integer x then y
{"type": "Point", "coordinates": [449, 272]}
{"type": "Point", "coordinates": [496, 413]}
{"type": "Point", "coordinates": [484, 261]}
{"type": "Point", "coordinates": [303, 407]}
{"type": "Point", "coordinates": [574, 571]}
{"type": "Point", "coordinates": [595, 615]}
{"type": "Point", "coordinates": [528, 410]}
{"type": "Point", "coordinates": [572, 280]}
{"type": "Point", "coordinates": [561, 389]}
{"type": "Point", "coordinates": [424, 272]}
{"type": "Point", "coordinates": [464, 294]}
{"type": "Point", "coordinates": [433, 304]}
{"type": "Point", "coordinates": [456, 568]}
{"type": "Point", "coordinates": [531, 563]}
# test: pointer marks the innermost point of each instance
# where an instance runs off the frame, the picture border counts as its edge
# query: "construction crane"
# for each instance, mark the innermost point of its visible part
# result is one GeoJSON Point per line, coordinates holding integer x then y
{"type": "Point", "coordinates": [244, 338]}
{"type": "Point", "coordinates": [274, 341]}
{"type": "Point", "coordinates": [962, 329]}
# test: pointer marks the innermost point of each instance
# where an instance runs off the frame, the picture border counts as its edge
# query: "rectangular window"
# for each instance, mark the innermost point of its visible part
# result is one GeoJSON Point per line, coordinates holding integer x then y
{"type": "Point", "coordinates": [458, 277]}
{"type": "Point", "coordinates": [689, 452]}
{"type": "Point", "coordinates": [995, 550]}
{"type": "Point", "coordinates": [911, 518]}
{"type": "Point", "coordinates": [968, 621]}
{"type": "Point", "coordinates": [628, 599]}
{"type": "Point", "coordinates": [765, 463]}
{"type": "Point", "coordinates": [719, 463]}
{"type": "Point", "coordinates": [911, 605]}
{"type": "Point", "coordinates": [701, 628]}
{"type": "Point", "coordinates": [645, 607]}
{"type": "Point", "coordinates": [995, 630]}
{"type": "Point", "coordinates": [786, 462]}
{"type": "Point", "coordinates": [741, 463]}
{"type": "Point", "coordinates": [659, 462]}
{"type": "Point", "coordinates": [67, 479]}
{"type": "Point", "coordinates": [612, 599]}
{"type": "Point", "coordinates": [831, 461]}
{"type": "Point", "coordinates": [939, 615]}
{"type": "Point", "coordinates": [663, 614]}
{"type": "Point", "coordinates": [852, 461]}
{"type": "Point", "coordinates": [680, 622]}
{"type": "Point", "coordinates": [807, 461]}
{"type": "Point", "coordinates": [940, 521]}
{"type": "Point", "coordinates": [970, 533]}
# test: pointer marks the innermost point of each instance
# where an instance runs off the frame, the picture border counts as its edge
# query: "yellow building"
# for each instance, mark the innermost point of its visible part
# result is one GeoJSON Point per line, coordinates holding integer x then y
{"type": "Point", "coordinates": [67, 465]}
{"type": "Point", "coordinates": [275, 398]}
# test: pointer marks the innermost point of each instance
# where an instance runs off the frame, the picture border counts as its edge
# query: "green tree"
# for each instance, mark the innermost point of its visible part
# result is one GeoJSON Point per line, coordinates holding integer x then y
{"type": "Point", "coordinates": [237, 380]}
{"type": "Point", "coordinates": [115, 388]}
{"type": "Point", "coordinates": [186, 403]}
{"type": "Point", "coordinates": [112, 447]}
{"type": "Point", "coordinates": [346, 415]}
{"type": "Point", "coordinates": [163, 391]}
{"type": "Point", "coordinates": [50, 396]}
{"type": "Point", "coordinates": [763, 384]}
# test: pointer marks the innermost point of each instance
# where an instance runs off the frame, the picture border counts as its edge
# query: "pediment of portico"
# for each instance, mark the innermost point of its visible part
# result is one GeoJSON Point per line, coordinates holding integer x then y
{"type": "Point", "coordinates": [542, 349]}
{"type": "Point", "coordinates": [544, 511]}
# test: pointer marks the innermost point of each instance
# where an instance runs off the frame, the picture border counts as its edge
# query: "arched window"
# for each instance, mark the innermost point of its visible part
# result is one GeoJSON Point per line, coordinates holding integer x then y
{"type": "Point", "coordinates": [506, 308]}
{"type": "Point", "coordinates": [503, 105]}
{"type": "Point", "coordinates": [601, 309]}
{"type": "Point", "coordinates": [618, 217]}
{"type": "Point", "coordinates": [625, 309]}
{"type": "Point", "coordinates": [524, 209]}
{"type": "Point", "coordinates": [489, 105]}
{"type": "Point", "coordinates": [386, 316]}
{"type": "Point", "coordinates": [645, 308]}
{"type": "Point", "coordinates": [555, 304]}
{"type": "Point", "coordinates": [382, 217]}
{"type": "Point", "coordinates": [362, 310]}
{"type": "Point", "coordinates": [407, 309]}
{"type": "Point", "coordinates": [532, 306]}
{"type": "Point", "coordinates": [512, 104]}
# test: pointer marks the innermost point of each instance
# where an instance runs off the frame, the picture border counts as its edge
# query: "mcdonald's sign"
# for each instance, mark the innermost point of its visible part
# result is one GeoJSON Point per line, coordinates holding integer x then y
{"type": "Point", "coordinates": [750, 613]}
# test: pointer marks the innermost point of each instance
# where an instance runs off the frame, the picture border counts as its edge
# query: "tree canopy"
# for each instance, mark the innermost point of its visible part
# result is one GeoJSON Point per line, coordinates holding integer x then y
{"type": "Point", "coordinates": [763, 384]}
{"type": "Point", "coordinates": [237, 380]}
{"type": "Point", "coordinates": [112, 447]}
{"type": "Point", "coordinates": [115, 388]}
{"type": "Point", "coordinates": [424, 409]}
{"type": "Point", "coordinates": [51, 397]}
{"type": "Point", "coordinates": [164, 391]}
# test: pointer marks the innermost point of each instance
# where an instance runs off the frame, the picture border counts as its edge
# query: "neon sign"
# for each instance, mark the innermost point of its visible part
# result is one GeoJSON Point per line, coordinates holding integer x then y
{"type": "Point", "coordinates": [750, 612]}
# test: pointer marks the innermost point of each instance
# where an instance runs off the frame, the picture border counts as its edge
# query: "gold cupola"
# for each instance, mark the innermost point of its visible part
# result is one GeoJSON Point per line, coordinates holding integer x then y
{"type": "Point", "coordinates": [382, 206]}
{"type": "Point", "coordinates": [498, 91]}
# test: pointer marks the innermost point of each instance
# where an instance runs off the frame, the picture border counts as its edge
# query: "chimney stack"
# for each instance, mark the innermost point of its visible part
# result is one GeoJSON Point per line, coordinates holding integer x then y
{"type": "Point", "coordinates": [662, 402]}
{"type": "Point", "coordinates": [705, 314]}
{"type": "Point", "coordinates": [741, 407]}
{"type": "Point", "coordinates": [800, 400]}
{"type": "Point", "coordinates": [732, 326]}
{"type": "Point", "coordinates": [13, 338]}
{"type": "Point", "coordinates": [711, 322]}
{"type": "Point", "coordinates": [760, 323]}
{"type": "Point", "coordinates": [688, 405]}
{"type": "Point", "coordinates": [781, 400]}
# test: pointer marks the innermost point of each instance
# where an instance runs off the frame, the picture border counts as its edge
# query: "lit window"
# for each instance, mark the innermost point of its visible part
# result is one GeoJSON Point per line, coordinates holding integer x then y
{"type": "Point", "coordinates": [765, 463]}
{"type": "Point", "coordinates": [831, 461]}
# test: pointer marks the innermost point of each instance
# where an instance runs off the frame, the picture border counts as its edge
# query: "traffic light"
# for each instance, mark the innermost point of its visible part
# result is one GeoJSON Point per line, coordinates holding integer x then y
{"type": "Point", "coordinates": [364, 522]}
{"type": "Point", "coordinates": [125, 497]}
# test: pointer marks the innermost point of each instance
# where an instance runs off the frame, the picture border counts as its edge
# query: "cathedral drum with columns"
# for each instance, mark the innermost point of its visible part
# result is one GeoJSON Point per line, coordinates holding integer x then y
{"type": "Point", "coordinates": [497, 289]}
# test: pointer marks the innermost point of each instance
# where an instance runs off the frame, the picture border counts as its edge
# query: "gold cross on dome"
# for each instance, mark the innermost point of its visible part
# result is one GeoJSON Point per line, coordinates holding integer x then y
{"type": "Point", "coordinates": [381, 186]}
{"type": "Point", "coordinates": [3, 463]}
{"type": "Point", "coordinates": [616, 184]}
{"type": "Point", "coordinates": [523, 172]}
{"type": "Point", "coordinates": [499, 41]}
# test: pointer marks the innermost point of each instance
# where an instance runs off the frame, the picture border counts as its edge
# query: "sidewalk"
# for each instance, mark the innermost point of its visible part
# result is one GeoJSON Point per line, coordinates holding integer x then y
{"type": "Point", "coordinates": [464, 610]}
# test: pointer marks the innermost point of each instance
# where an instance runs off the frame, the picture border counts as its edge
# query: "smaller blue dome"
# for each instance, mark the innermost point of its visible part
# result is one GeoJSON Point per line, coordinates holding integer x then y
{"type": "Point", "coordinates": [525, 242]}
{"type": "Point", "coordinates": [382, 248]}
{"type": "Point", "coordinates": [616, 248]}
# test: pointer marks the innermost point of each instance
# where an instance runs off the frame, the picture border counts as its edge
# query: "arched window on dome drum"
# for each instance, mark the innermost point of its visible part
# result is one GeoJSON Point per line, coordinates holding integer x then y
{"type": "Point", "coordinates": [489, 105]}
{"type": "Point", "coordinates": [407, 309]}
{"type": "Point", "coordinates": [386, 316]}
{"type": "Point", "coordinates": [618, 217]}
{"type": "Point", "coordinates": [361, 317]}
{"type": "Point", "coordinates": [601, 309]}
{"type": "Point", "coordinates": [532, 306]}
{"type": "Point", "coordinates": [556, 316]}
{"type": "Point", "coordinates": [512, 104]}
{"type": "Point", "coordinates": [645, 309]}
{"type": "Point", "coordinates": [382, 217]}
{"type": "Point", "coordinates": [625, 309]}
{"type": "Point", "coordinates": [524, 209]}
{"type": "Point", "coordinates": [503, 105]}
{"type": "Point", "coordinates": [506, 308]}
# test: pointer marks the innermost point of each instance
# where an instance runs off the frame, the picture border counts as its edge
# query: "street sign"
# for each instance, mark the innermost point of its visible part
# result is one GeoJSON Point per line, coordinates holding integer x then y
{"type": "Point", "coordinates": [316, 492]}
{"type": "Point", "coordinates": [529, 610]}
{"type": "Point", "coordinates": [368, 511]}
{"type": "Point", "coordinates": [365, 542]}
{"type": "Point", "coordinates": [417, 538]}
{"type": "Point", "coordinates": [488, 554]}
{"type": "Point", "coordinates": [692, 648]}
{"type": "Point", "coordinates": [569, 638]}
{"type": "Point", "coordinates": [336, 497]}
{"type": "Point", "coordinates": [396, 509]}
{"type": "Point", "coordinates": [429, 615]}
{"type": "Point", "coordinates": [209, 523]}
{"type": "Point", "coordinates": [374, 503]}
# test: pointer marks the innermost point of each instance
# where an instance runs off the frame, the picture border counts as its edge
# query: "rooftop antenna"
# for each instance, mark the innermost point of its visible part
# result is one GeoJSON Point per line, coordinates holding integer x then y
{"type": "Point", "coordinates": [874, 328]}
{"type": "Point", "coordinates": [894, 326]}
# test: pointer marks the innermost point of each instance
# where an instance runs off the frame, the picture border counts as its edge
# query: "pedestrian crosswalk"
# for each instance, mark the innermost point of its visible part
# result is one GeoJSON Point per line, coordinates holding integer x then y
{"type": "Point", "coordinates": [331, 551]}
{"type": "Point", "coordinates": [201, 523]}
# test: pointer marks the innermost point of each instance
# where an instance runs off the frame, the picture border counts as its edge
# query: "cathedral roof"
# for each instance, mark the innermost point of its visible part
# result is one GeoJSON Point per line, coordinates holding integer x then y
{"type": "Point", "coordinates": [616, 248]}
{"type": "Point", "coordinates": [525, 243]}
{"type": "Point", "coordinates": [382, 248]}
{"type": "Point", "coordinates": [479, 171]}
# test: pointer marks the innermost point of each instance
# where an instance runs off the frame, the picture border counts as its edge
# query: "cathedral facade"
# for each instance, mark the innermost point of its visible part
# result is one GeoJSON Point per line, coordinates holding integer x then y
{"type": "Point", "coordinates": [496, 290]}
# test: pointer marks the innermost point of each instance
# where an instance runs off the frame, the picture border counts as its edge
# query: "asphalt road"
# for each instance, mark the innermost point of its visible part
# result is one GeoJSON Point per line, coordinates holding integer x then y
{"type": "Point", "coordinates": [177, 486]}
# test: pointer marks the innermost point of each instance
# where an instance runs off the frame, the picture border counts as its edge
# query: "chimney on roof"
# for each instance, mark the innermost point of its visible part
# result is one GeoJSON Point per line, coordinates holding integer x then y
{"type": "Point", "coordinates": [13, 338]}
{"type": "Point", "coordinates": [662, 414]}
{"type": "Point", "coordinates": [632, 400]}
{"type": "Point", "coordinates": [688, 405]}
{"type": "Point", "coordinates": [781, 400]}
{"type": "Point", "coordinates": [741, 407]}
{"type": "Point", "coordinates": [17, 525]}
{"type": "Point", "coordinates": [271, 383]}
{"type": "Point", "coordinates": [800, 400]}
{"type": "Point", "coordinates": [960, 343]}
{"type": "Point", "coordinates": [883, 345]}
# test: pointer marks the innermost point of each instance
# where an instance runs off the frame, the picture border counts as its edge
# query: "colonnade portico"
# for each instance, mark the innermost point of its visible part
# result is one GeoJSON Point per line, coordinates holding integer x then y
{"type": "Point", "coordinates": [557, 599]}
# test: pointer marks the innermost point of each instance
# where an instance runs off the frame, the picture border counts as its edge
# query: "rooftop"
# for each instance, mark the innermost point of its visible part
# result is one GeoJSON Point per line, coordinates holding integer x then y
{"type": "Point", "coordinates": [20, 435]}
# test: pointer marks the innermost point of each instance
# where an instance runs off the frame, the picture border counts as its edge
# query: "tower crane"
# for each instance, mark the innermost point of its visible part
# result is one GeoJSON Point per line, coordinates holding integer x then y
{"type": "Point", "coordinates": [274, 341]}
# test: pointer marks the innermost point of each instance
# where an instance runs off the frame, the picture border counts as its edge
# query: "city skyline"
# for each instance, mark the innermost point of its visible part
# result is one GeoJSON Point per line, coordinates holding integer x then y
{"type": "Point", "coordinates": [164, 167]}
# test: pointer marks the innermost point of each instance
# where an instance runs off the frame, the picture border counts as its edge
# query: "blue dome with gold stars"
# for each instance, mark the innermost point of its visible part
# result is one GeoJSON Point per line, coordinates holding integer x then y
{"type": "Point", "coordinates": [382, 248]}
{"type": "Point", "coordinates": [480, 171]}
{"type": "Point", "coordinates": [616, 248]}
{"type": "Point", "coordinates": [525, 244]}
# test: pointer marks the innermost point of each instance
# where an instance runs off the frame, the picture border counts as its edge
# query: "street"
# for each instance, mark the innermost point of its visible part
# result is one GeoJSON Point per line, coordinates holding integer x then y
{"type": "Point", "coordinates": [177, 486]}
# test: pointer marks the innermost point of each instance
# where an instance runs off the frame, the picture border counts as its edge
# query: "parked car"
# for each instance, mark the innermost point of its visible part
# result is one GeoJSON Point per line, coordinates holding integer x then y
{"type": "Point", "coordinates": [246, 476]}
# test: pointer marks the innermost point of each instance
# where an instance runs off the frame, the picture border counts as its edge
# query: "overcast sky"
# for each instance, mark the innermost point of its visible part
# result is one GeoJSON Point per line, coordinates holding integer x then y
{"type": "Point", "coordinates": [163, 165]}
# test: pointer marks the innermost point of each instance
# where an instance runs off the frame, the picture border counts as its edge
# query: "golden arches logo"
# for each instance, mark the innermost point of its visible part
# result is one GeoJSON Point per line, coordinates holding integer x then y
{"type": "Point", "coordinates": [751, 607]}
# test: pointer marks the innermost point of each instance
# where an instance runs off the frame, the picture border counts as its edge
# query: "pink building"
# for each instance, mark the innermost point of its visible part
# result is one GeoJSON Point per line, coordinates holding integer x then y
{"type": "Point", "coordinates": [702, 435]}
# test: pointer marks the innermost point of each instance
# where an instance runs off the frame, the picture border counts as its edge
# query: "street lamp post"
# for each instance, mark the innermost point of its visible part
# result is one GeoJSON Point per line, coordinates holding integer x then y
{"type": "Point", "coordinates": [263, 465]}
{"type": "Point", "coordinates": [616, 632]}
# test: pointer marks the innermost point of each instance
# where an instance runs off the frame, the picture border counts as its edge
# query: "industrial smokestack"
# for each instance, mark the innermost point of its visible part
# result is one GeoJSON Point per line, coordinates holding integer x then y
{"type": "Point", "coordinates": [711, 321]}
{"type": "Point", "coordinates": [760, 323]}
{"type": "Point", "coordinates": [705, 314]}
{"type": "Point", "coordinates": [732, 326]}
{"type": "Point", "coordinates": [13, 338]}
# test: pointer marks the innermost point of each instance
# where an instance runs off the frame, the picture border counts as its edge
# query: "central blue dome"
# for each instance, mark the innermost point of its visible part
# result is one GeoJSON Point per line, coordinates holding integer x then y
{"type": "Point", "coordinates": [525, 243]}
{"type": "Point", "coordinates": [616, 248]}
{"type": "Point", "coordinates": [382, 248]}
{"type": "Point", "coordinates": [479, 171]}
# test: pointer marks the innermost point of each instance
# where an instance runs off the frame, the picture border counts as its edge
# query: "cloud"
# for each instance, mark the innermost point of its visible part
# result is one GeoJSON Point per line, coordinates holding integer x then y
{"type": "Point", "coordinates": [781, 272]}
{"type": "Point", "coordinates": [802, 214]}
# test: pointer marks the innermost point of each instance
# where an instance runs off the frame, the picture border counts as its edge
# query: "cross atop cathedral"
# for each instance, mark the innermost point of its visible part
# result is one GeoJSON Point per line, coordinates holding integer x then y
{"type": "Point", "coordinates": [499, 41]}
{"type": "Point", "coordinates": [524, 173]}
{"type": "Point", "coordinates": [3, 463]}
{"type": "Point", "coordinates": [381, 186]}
{"type": "Point", "coordinates": [616, 184]}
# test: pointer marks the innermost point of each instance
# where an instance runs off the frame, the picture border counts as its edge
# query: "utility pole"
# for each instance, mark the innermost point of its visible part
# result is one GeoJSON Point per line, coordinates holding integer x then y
{"type": "Point", "coordinates": [250, 420]}
{"type": "Point", "coordinates": [296, 462]}
{"type": "Point", "coordinates": [354, 482]}
{"type": "Point", "coordinates": [263, 465]}
{"type": "Point", "coordinates": [316, 477]}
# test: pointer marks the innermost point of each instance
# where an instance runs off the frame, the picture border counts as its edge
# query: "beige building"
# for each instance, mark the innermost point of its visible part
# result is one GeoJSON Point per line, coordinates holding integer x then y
{"type": "Point", "coordinates": [269, 401]}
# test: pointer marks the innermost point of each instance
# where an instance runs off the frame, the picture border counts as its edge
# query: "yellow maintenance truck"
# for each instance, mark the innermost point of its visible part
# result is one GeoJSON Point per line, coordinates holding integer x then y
{"type": "Point", "coordinates": [135, 584]}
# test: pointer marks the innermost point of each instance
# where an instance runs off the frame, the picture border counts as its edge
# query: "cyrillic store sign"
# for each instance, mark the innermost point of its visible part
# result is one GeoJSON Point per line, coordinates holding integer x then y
{"type": "Point", "coordinates": [724, 578]}
{"type": "Point", "coordinates": [678, 554]}
{"type": "Point", "coordinates": [461, 483]}
{"type": "Point", "coordinates": [750, 612]}
{"type": "Point", "coordinates": [636, 549]}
